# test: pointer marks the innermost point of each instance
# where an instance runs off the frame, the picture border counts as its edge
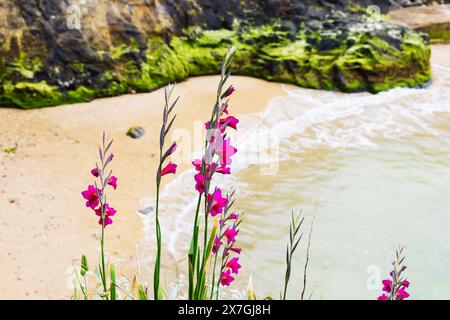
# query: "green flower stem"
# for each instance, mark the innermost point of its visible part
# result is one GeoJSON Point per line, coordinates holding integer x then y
{"type": "Point", "coordinates": [157, 271]}
{"type": "Point", "coordinates": [102, 242]}
{"type": "Point", "coordinates": [193, 262]}
{"type": "Point", "coordinates": [213, 277]}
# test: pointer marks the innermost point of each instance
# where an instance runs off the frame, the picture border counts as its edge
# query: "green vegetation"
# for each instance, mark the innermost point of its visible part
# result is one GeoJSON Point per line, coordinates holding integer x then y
{"type": "Point", "coordinates": [29, 95]}
{"type": "Point", "coordinates": [347, 60]}
{"type": "Point", "coordinates": [439, 33]}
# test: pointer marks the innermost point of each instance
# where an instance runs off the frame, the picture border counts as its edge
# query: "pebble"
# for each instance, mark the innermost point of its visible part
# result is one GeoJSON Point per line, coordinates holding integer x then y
{"type": "Point", "coordinates": [146, 210]}
{"type": "Point", "coordinates": [136, 132]}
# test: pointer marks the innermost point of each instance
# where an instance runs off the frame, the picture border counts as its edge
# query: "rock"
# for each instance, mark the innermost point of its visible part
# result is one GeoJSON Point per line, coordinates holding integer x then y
{"type": "Point", "coordinates": [52, 53]}
{"type": "Point", "coordinates": [146, 206]}
{"type": "Point", "coordinates": [146, 210]}
{"type": "Point", "coordinates": [328, 44]}
{"type": "Point", "coordinates": [433, 20]}
{"type": "Point", "coordinates": [136, 132]}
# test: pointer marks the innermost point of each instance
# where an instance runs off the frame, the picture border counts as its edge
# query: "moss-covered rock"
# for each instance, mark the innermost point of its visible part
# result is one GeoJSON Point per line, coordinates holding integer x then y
{"type": "Point", "coordinates": [439, 32]}
{"type": "Point", "coordinates": [29, 95]}
{"type": "Point", "coordinates": [356, 60]}
{"type": "Point", "coordinates": [323, 46]}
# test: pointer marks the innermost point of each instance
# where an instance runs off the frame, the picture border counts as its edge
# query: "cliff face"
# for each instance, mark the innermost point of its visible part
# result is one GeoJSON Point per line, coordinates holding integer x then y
{"type": "Point", "coordinates": [54, 52]}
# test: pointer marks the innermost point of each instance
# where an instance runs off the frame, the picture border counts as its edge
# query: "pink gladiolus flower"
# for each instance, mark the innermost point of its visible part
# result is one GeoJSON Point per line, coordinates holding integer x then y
{"type": "Point", "coordinates": [233, 216]}
{"type": "Point", "coordinates": [395, 288]}
{"type": "Point", "coordinates": [109, 212]}
{"type": "Point", "coordinates": [197, 164]}
{"type": "Point", "coordinates": [226, 278]}
{"type": "Point", "coordinates": [112, 181]}
{"type": "Point", "coordinates": [172, 148]}
{"type": "Point", "coordinates": [234, 265]}
{"type": "Point", "coordinates": [237, 250]}
{"type": "Point", "coordinates": [199, 183]}
{"type": "Point", "coordinates": [229, 92]}
{"type": "Point", "coordinates": [390, 285]}
{"type": "Point", "coordinates": [387, 285]}
{"type": "Point", "coordinates": [217, 202]}
{"type": "Point", "coordinates": [95, 172]}
{"type": "Point", "coordinates": [402, 294]}
{"type": "Point", "coordinates": [405, 283]}
{"type": "Point", "coordinates": [230, 121]}
{"type": "Point", "coordinates": [224, 108]}
{"type": "Point", "coordinates": [231, 234]}
{"type": "Point", "coordinates": [170, 168]}
{"type": "Point", "coordinates": [221, 169]}
{"type": "Point", "coordinates": [225, 152]}
{"type": "Point", "coordinates": [108, 221]}
{"type": "Point", "coordinates": [91, 195]}
{"type": "Point", "coordinates": [215, 137]}
{"type": "Point", "coordinates": [217, 244]}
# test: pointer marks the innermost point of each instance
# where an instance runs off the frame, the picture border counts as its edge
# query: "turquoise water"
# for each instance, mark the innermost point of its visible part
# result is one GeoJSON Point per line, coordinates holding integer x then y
{"type": "Point", "coordinates": [374, 171]}
{"type": "Point", "coordinates": [366, 203]}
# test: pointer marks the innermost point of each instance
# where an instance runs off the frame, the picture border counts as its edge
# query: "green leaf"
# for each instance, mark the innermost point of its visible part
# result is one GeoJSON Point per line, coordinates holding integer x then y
{"type": "Point", "coordinates": [192, 260]}
{"type": "Point", "coordinates": [134, 285]}
{"type": "Point", "coordinates": [251, 294]}
{"type": "Point", "coordinates": [201, 282]}
{"type": "Point", "coordinates": [191, 279]}
{"type": "Point", "coordinates": [112, 289]}
{"type": "Point", "coordinates": [75, 296]}
{"type": "Point", "coordinates": [191, 249]}
{"type": "Point", "coordinates": [100, 271]}
{"type": "Point", "coordinates": [192, 246]}
{"type": "Point", "coordinates": [210, 242]}
{"type": "Point", "coordinates": [160, 294]}
{"type": "Point", "coordinates": [141, 293]}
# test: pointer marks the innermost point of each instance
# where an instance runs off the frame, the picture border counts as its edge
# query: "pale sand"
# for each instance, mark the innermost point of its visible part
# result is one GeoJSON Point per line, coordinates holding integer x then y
{"type": "Point", "coordinates": [44, 224]}
{"type": "Point", "coordinates": [440, 54]}
{"type": "Point", "coordinates": [418, 17]}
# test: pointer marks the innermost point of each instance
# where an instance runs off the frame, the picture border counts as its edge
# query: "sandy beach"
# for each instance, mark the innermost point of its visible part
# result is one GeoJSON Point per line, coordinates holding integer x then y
{"type": "Point", "coordinates": [44, 224]}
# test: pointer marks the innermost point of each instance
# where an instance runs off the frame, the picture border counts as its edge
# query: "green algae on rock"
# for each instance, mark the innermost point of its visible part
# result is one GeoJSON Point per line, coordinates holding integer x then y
{"type": "Point", "coordinates": [29, 95]}
{"type": "Point", "coordinates": [358, 60]}
{"type": "Point", "coordinates": [320, 49]}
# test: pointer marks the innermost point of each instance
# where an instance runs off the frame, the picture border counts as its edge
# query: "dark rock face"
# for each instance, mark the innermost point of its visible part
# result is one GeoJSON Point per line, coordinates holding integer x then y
{"type": "Point", "coordinates": [65, 51]}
